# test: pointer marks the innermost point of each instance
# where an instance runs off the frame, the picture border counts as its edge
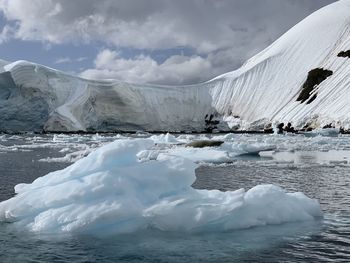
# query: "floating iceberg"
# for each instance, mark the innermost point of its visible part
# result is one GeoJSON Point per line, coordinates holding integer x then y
{"type": "Point", "coordinates": [112, 192]}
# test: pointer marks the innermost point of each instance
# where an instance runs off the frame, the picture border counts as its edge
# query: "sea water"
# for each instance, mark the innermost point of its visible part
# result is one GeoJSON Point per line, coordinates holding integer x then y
{"type": "Point", "coordinates": [318, 174]}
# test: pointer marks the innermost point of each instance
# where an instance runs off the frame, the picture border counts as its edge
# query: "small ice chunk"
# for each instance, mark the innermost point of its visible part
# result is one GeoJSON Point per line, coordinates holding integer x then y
{"type": "Point", "coordinates": [164, 138]}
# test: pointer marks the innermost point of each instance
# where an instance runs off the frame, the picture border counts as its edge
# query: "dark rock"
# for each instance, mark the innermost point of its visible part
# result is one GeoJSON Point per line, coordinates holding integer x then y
{"type": "Point", "coordinates": [344, 54]}
{"type": "Point", "coordinates": [280, 128]}
{"type": "Point", "coordinates": [312, 99]}
{"type": "Point", "coordinates": [289, 128]}
{"type": "Point", "coordinates": [268, 128]}
{"type": "Point", "coordinates": [328, 126]}
{"type": "Point", "coordinates": [204, 143]}
{"type": "Point", "coordinates": [210, 123]}
{"type": "Point", "coordinates": [315, 77]}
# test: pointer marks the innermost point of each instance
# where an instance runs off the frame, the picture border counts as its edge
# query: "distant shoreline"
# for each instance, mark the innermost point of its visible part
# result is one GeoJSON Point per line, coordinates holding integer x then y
{"type": "Point", "coordinates": [148, 132]}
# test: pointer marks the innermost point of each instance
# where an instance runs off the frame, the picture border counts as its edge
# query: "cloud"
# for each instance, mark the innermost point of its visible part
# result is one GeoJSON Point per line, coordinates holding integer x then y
{"type": "Point", "coordinates": [66, 60]}
{"type": "Point", "coordinates": [62, 60]}
{"type": "Point", "coordinates": [6, 33]}
{"type": "Point", "coordinates": [155, 24]}
{"type": "Point", "coordinates": [177, 69]}
{"type": "Point", "coordinates": [81, 59]}
{"type": "Point", "coordinates": [222, 33]}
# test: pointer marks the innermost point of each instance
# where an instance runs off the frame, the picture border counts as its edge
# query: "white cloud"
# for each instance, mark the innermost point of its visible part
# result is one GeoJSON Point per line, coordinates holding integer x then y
{"type": "Point", "coordinates": [62, 60]}
{"type": "Point", "coordinates": [66, 60]}
{"type": "Point", "coordinates": [81, 59]}
{"type": "Point", "coordinates": [155, 24]}
{"type": "Point", "coordinates": [175, 70]}
{"type": "Point", "coordinates": [6, 33]}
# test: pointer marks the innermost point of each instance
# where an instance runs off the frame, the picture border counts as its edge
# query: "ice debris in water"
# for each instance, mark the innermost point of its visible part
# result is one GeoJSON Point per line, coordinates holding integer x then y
{"type": "Point", "coordinates": [164, 138]}
{"type": "Point", "coordinates": [226, 152]}
{"type": "Point", "coordinates": [112, 192]}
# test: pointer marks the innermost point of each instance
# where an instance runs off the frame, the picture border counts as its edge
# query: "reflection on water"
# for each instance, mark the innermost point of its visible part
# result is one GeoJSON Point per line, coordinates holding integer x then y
{"type": "Point", "coordinates": [313, 157]}
{"type": "Point", "coordinates": [329, 184]}
{"type": "Point", "coordinates": [260, 244]}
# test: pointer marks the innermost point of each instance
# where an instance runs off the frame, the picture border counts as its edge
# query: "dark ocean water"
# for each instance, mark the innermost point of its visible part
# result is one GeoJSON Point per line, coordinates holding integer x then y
{"type": "Point", "coordinates": [326, 240]}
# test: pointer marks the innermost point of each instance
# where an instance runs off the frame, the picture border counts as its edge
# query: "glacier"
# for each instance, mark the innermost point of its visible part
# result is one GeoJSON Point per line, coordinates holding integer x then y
{"type": "Point", "coordinates": [112, 191]}
{"type": "Point", "coordinates": [264, 91]}
{"type": "Point", "coordinates": [36, 98]}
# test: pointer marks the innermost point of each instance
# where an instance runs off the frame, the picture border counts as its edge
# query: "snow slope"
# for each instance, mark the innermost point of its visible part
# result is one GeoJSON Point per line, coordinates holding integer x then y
{"type": "Point", "coordinates": [263, 91]}
{"type": "Point", "coordinates": [267, 86]}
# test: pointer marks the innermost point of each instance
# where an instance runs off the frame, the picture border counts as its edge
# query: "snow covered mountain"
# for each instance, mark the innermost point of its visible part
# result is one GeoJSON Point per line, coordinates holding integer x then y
{"type": "Point", "coordinates": [302, 78]}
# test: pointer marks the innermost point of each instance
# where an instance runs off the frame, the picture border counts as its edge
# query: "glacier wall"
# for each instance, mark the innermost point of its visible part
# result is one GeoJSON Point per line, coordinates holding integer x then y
{"type": "Point", "coordinates": [60, 102]}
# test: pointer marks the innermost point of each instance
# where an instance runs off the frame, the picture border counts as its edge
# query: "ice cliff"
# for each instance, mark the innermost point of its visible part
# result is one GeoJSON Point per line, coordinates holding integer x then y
{"type": "Point", "coordinates": [34, 97]}
{"type": "Point", "coordinates": [302, 78]}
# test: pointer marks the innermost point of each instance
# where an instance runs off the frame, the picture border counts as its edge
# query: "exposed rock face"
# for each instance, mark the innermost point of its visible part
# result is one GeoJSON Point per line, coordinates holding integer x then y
{"type": "Point", "coordinates": [314, 78]}
{"type": "Point", "coordinates": [344, 54]}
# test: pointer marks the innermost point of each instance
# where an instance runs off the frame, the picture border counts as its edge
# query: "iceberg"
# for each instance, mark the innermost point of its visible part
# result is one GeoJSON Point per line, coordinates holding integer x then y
{"type": "Point", "coordinates": [111, 191]}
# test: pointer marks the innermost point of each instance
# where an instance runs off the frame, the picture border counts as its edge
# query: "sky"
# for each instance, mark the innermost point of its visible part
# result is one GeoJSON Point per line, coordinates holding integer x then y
{"type": "Point", "coordinates": [172, 42]}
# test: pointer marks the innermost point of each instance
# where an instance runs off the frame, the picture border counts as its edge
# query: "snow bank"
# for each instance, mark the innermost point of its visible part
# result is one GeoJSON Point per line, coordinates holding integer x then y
{"type": "Point", "coordinates": [112, 192]}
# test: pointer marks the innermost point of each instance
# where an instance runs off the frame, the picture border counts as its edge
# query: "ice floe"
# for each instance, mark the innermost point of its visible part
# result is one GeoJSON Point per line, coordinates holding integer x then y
{"type": "Point", "coordinates": [111, 191]}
